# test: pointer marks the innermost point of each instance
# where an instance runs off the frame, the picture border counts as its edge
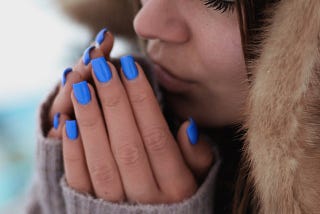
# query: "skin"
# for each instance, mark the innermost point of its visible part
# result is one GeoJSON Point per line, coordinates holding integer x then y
{"type": "Point", "coordinates": [100, 162]}
{"type": "Point", "coordinates": [202, 46]}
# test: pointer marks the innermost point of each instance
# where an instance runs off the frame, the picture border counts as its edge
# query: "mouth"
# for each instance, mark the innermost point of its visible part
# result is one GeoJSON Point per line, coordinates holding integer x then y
{"type": "Point", "coordinates": [169, 81]}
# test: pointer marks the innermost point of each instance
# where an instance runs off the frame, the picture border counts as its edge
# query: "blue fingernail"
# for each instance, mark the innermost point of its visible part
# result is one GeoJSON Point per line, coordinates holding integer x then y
{"type": "Point", "coordinates": [82, 92]}
{"type": "Point", "coordinates": [129, 67]}
{"type": "Point", "coordinates": [64, 76]}
{"type": "Point", "coordinates": [192, 132]}
{"type": "Point", "coordinates": [100, 36]}
{"type": "Point", "coordinates": [101, 69]}
{"type": "Point", "coordinates": [56, 120]}
{"type": "Point", "coordinates": [86, 55]}
{"type": "Point", "coordinates": [71, 129]}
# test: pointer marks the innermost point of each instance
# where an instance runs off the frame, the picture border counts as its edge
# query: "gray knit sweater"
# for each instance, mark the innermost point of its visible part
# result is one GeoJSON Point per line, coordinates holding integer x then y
{"type": "Point", "coordinates": [51, 194]}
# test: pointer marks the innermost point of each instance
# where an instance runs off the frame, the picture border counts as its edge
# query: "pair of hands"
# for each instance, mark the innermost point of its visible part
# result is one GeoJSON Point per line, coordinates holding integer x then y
{"type": "Point", "coordinates": [120, 148]}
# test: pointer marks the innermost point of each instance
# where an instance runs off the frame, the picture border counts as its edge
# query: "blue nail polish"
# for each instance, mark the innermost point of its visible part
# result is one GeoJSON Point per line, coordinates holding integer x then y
{"type": "Point", "coordinates": [100, 36]}
{"type": "Point", "coordinates": [82, 92]}
{"type": "Point", "coordinates": [101, 69]}
{"type": "Point", "coordinates": [192, 132]}
{"type": "Point", "coordinates": [129, 67]}
{"type": "Point", "coordinates": [72, 129]}
{"type": "Point", "coordinates": [64, 76]}
{"type": "Point", "coordinates": [86, 55]}
{"type": "Point", "coordinates": [56, 120]}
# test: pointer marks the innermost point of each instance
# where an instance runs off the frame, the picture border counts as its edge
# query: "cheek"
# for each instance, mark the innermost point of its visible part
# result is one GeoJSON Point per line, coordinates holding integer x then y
{"type": "Point", "coordinates": [222, 56]}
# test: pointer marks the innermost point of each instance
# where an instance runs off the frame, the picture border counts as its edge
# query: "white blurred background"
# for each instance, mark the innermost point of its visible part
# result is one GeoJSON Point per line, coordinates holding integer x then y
{"type": "Point", "coordinates": [37, 43]}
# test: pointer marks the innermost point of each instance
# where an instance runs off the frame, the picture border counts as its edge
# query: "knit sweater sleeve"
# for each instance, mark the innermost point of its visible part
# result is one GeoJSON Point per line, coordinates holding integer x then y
{"type": "Point", "coordinates": [45, 195]}
{"type": "Point", "coordinates": [200, 202]}
{"type": "Point", "coordinates": [53, 195]}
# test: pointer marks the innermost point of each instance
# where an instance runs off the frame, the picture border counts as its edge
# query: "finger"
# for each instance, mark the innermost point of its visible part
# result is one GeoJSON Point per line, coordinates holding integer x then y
{"type": "Point", "coordinates": [101, 47]}
{"type": "Point", "coordinates": [125, 139]}
{"type": "Point", "coordinates": [62, 103]}
{"type": "Point", "coordinates": [103, 170]}
{"type": "Point", "coordinates": [82, 71]}
{"type": "Point", "coordinates": [197, 153]}
{"type": "Point", "coordinates": [167, 162]}
{"type": "Point", "coordinates": [75, 166]}
{"type": "Point", "coordinates": [104, 41]}
{"type": "Point", "coordinates": [57, 126]}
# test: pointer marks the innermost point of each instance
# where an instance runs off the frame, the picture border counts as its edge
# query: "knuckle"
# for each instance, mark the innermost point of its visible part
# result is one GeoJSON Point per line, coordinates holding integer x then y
{"type": "Point", "coordinates": [113, 100]}
{"type": "Point", "coordinates": [73, 77]}
{"type": "Point", "coordinates": [156, 139]}
{"type": "Point", "coordinates": [102, 174]}
{"type": "Point", "coordinates": [72, 158]}
{"type": "Point", "coordinates": [108, 195]}
{"type": "Point", "coordinates": [129, 154]}
{"type": "Point", "coordinates": [79, 186]}
{"type": "Point", "coordinates": [88, 122]}
{"type": "Point", "coordinates": [140, 97]}
{"type": "Point", "coordinates": [182, 193]}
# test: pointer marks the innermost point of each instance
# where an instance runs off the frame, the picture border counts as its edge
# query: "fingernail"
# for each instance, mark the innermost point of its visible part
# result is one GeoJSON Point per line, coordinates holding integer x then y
{"type": "Point", "coordinates": [101, 69]}
{"type": "Point", "coordinates": [129, 67]}
{"type": "Point", "coordinates": [82, 92]}
{"type": "Point", "coordinates": [192, 132]}
{"type": "Point", "coordinates": [56, 120]}
{"type": "Point", "coordinates": [101, 35]}
{"type": "Point", "coordinates": [71, 129]}
{"type": "Point", "coordinates": [86, 55]}
{"type": "Point", "coordinates": [64, 76]}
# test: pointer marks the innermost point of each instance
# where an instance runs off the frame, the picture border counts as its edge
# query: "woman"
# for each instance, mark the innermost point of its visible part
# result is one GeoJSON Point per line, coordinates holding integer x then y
{"type": "Point", "coordinates": [234, 66]}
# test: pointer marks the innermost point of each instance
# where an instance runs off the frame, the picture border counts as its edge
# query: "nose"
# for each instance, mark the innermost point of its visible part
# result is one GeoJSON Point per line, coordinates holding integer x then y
{"type": "Point", "coordinates": [160, 19]}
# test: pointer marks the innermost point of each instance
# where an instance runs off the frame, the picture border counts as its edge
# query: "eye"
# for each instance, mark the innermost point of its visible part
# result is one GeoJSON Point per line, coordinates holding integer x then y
{"type": "Point", "coordinates": [221, 5]}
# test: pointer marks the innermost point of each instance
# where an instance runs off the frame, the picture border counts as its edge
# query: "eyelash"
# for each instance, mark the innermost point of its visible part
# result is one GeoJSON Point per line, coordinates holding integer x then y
{"type": "Point", "coordinates": [220, 5]}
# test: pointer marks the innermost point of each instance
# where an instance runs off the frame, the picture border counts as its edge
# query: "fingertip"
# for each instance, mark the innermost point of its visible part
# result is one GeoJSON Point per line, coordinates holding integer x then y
{"type": "Point", "coordinates": [71, 129]}
{"type": "Point", "coordinates": [56, 119]}
{"type": "Point", "coordinates": [82, 94]}
{"type": "Point", "coordinates": [57, 126]}
{"type": "Point", "coordinates": [101, 36]}
{"type": "Point", "coordinates": [188, 133]}
{"type": "Point", "coordinates": [101, 71]}
{"type": "Point", "coordinates": [129, 67]}
{"type": "Point", "coordinates": [199, 155]}
{"type": "Point", "coordinates": [192, 132]}
{"type": "Point", "coordinates": [107, 45]}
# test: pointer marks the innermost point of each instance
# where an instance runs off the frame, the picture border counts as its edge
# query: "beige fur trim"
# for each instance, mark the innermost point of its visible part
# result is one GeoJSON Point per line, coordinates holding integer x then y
{"type": "Point", "coordinates": [283, 138]}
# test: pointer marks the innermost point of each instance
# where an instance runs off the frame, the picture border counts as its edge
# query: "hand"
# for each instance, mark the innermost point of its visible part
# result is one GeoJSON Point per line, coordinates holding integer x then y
{"type": "Point", "coordinates": [81, 71]}
{"type": "Point", "coordinates": [125, 150]}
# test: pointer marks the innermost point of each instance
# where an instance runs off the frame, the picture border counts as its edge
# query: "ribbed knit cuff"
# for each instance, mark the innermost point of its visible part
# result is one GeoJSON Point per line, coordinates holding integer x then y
{"type": "Point", "coordinates": [50, 170]}
{"type": "Point", "coordinates": [200, 202]}
{"type": "Point", "coordinates": [49, 163]}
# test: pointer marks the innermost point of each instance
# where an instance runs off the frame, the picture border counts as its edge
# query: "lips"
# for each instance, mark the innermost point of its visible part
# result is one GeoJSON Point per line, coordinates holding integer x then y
{"type": "Point", "coordinates": [169, 81]}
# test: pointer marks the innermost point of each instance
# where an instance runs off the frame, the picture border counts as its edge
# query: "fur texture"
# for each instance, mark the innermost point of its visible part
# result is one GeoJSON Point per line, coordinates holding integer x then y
{"type": "Point", "coordinates": [283, 112]}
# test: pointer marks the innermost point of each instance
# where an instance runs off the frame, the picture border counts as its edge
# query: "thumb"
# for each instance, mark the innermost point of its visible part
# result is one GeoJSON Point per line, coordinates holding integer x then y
{"type": "Point", "coordinates": [197, 153]}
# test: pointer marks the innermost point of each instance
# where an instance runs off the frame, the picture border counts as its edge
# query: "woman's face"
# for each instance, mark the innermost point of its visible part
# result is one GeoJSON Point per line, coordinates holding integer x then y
{"type": "Point", "coordinates": [198, 56]}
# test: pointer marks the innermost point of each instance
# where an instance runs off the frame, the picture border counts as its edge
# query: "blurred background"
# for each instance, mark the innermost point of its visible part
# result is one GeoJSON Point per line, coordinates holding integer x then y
{"type": "Point", "coordinates": [38, 41]}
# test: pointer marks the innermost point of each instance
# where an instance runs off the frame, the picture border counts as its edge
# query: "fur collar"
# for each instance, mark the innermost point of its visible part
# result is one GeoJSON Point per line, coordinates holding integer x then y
{"type": "Point", "coordinates": [283, 112]}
